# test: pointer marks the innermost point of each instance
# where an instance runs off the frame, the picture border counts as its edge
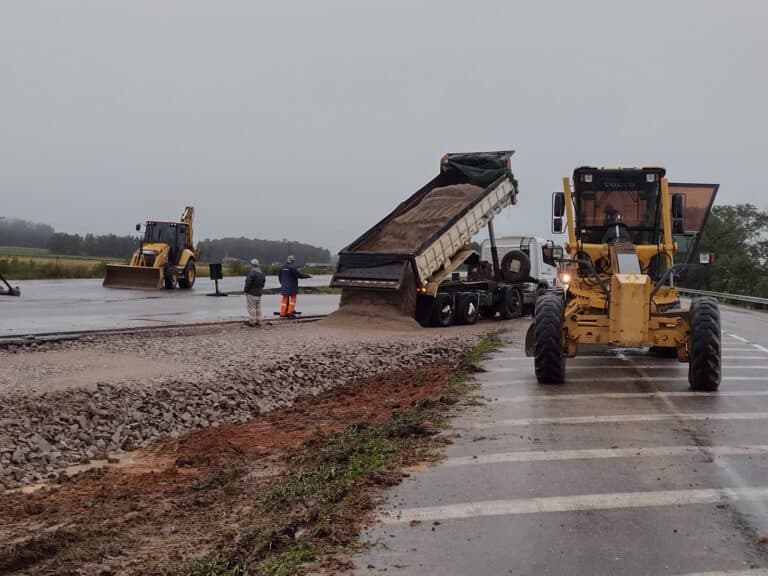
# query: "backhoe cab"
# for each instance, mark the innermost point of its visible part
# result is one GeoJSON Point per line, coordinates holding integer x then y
{"type": "Point", "coordinates": [622, 225]}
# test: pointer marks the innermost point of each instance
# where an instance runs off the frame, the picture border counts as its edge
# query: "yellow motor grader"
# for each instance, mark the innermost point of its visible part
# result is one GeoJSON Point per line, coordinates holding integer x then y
{"type": "Point", "coordinates": [165, 258]}
{"type": "Point", "coordinates": [623, 226]}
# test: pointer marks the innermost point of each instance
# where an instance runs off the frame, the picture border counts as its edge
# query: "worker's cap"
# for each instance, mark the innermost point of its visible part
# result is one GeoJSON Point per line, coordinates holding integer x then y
{"type": "Point", "coordinates": [255, 262]}
{"type": "Point", "coordinates": [291, 259]}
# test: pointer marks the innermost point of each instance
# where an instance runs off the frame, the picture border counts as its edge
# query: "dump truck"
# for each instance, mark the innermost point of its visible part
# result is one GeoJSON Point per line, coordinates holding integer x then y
{"type": "Point", "coordinates": [409, 259]}
{"type": "Point", "coordinates": [165, 257]}
{"type": "Point", "coordinates": [622, 224]}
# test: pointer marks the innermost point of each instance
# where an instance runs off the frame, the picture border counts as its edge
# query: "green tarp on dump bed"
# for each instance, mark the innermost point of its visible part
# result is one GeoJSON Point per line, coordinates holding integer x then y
{"type": "Point", "coordinates": [481, 168]}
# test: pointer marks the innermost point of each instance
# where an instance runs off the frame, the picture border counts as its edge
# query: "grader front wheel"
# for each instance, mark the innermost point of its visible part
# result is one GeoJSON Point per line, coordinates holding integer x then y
{"type": "Point", "coordinates": [548, 340]}
{"type": "Point", "coordinates": [704, 369]}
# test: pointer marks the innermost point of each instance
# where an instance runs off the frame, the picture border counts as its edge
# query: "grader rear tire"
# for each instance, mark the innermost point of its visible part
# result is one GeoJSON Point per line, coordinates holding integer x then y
{"type": "Point", "coordinates": [548, 340]}
{"type": "Point", "coordinates": [704, 368]}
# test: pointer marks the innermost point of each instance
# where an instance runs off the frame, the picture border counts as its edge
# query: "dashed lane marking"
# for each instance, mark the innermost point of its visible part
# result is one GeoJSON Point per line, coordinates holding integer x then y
{"type": "Point", "coordinates": [606, 501]}
{"type": "Point", "coordinates": [629, 396]}
{"type": "Point", "coordinates": [601, 453]}
{"type": "Point", "coordinates": [739, 338]}
{"type": "Point", "coordinates": [622, 419]}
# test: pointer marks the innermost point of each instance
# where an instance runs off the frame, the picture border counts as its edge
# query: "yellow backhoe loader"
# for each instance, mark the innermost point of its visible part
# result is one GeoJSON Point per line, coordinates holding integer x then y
{"type": "Point", "coordinates": [165, 258]}
{"type": "Point", "coordinates": [622, 229]}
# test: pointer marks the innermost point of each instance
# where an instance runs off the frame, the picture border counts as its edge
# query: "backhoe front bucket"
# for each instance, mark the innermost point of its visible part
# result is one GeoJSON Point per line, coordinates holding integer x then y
{"type": "Point", "coordinates": [134, 277]}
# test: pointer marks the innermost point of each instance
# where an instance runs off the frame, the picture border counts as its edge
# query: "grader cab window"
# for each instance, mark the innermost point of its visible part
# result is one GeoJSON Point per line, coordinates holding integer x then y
{"type": "Point", "coordinates": [629, 199]}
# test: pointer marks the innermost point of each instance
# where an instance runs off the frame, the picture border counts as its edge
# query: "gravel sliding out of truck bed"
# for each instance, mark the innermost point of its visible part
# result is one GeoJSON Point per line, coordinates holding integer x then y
{"type": "Point", "coordinates": [206, 376]}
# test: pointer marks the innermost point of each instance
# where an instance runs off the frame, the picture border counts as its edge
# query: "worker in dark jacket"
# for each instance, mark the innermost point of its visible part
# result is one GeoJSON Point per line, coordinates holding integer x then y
{"type": "Point", "coordinates": [254, 287]}
{"type": "Point", "coordinates": [289, 286]}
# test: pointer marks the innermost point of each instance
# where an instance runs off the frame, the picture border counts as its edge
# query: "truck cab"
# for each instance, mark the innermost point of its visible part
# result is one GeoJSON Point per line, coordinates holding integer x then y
{"type": "Point", "coordinates": [540, 253]}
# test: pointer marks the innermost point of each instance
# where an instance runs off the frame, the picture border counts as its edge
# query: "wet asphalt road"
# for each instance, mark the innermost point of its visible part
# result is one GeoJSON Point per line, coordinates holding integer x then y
{"type": "Point", "coordinates": [71, 305]}
{"type": "Point", "coordinates": [622, 470]}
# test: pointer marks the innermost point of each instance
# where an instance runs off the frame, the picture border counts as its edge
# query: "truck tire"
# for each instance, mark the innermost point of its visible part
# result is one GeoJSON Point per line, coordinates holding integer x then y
{"type": "Point", "coordinates": [190, 275]}
{"type": "Point", "coordinates": [442, 311]}
{"type": "Point", "coordinates": [466, 308]}
{"type": "Point", "coordinates": [515, 266]}
{"type": "Point", "coordinates": [704, 368]}
{"type": "Point", "coordinates": [548, 340]}
{"type": "Point", "coordinates": [424, 310]}
{"type": "Point", "coordinates": [511, 305]}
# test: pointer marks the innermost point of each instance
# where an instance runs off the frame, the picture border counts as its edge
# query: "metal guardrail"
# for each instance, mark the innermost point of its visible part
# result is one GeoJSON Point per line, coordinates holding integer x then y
{"type": "Point", "coordinates": [727, 297]}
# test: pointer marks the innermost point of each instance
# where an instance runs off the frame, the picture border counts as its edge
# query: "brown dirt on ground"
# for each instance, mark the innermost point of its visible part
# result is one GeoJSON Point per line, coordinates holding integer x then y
{"type": "Point", "coordinates": [176, 497]}
{"type": "Point", "coordinates": [404, 233]}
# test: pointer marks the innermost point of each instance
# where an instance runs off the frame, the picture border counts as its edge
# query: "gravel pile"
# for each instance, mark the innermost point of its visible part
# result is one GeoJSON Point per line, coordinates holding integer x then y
{"type": "Point", "coordinates": [227, 376]}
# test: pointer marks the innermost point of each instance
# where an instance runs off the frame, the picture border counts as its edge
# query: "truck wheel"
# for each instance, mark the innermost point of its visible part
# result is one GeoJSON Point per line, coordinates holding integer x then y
{"type": "Point", "coordinates": [515, 266]}
{"type": "Point", "coordinates": [424, 310]}
{"type": "Point", "coordinates": [512, 304]}
{"type": "Point", "coordinates": [466, 308]}
{"type": "Point", "coordinates": [548, 340]}
{"type": "Point", "coordinates": [190, 275]}
{"type": "Point", "coordinates": [442, 310]}
{"type": "Point", "coordinates": [704, 347]}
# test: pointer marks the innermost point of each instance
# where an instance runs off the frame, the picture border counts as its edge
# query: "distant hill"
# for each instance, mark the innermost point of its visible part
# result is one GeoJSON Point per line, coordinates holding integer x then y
{"type": "Point", "coordinates": [266, 251]}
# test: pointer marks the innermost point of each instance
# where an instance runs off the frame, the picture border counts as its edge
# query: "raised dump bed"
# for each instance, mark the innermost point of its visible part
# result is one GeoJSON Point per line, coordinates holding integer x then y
{"type": "Point", "coordinates": [405, 258]}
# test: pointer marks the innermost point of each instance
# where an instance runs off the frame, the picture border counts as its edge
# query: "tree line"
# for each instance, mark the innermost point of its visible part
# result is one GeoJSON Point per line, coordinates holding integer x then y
{"type": "Point", "coordinates": [267, 251]}
{"type": "Point", "coordinates": [15, 232]}
{"type": "Point", "coordinates": [737, 235]}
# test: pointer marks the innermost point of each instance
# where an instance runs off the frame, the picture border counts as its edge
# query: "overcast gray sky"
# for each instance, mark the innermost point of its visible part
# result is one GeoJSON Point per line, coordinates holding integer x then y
{"type": "Point", "coordinates": [311, 120]}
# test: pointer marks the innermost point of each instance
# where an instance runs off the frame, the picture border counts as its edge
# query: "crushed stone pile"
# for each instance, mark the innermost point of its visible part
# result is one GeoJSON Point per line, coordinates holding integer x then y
{"type": "Point", "coordinates": [226, 377]}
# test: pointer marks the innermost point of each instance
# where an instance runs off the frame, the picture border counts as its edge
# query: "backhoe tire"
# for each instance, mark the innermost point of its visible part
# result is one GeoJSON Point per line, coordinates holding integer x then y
{"type": "Point", "coordinates": [548, 340]}
{"type": "Point", "coordinates": [466, 308]}
{"type": "Point", "coordinates": [704, 368]}
{"type": "Point", "coordinates": [515, 266]}
{"type": "Point", "coordinates": [169, 278]}
{"type": "Point", "coordinates": [190, 275]}
{"type": "Point", "coordinates": [511, 305]}
{"type": "Point", "coordinates": [442, 311]}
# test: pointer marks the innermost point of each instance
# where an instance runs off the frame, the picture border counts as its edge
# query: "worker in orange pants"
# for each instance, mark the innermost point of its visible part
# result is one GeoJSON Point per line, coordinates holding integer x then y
{"type": "Point", "coordinates": [287, 305]}
{"type": "Point", "coordinates": [289, 276]}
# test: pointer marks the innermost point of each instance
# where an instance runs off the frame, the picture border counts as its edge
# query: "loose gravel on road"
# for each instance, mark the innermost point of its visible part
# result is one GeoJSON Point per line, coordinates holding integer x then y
{"type": "Point", "coordinates": [74, 402]}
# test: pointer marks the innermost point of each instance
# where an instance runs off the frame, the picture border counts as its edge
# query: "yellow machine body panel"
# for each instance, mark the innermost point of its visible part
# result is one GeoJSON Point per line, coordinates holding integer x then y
{"type": "Point", "coordinates": [628, 314]}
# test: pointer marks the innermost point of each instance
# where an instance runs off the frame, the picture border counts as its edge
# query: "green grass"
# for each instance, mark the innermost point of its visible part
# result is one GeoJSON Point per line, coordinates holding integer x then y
{"type": "Point", "coordinates": [323, 497]}
{"type": "Point", "coordinates": [22, 251]}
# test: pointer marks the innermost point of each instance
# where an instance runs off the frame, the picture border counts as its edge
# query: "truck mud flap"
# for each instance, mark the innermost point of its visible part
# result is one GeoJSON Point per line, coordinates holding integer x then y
{"type": "Point", "coordinates": [133, 277]}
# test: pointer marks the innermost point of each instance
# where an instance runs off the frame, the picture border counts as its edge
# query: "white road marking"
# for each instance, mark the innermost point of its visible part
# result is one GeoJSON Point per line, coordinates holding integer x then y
{"type": "Point", "coordinates": [639, 378]}
{"type": "Point", "coordinates": [623, 418]}
{"type": "Point", "coordinates": [628, 396]}
{"type": "Point", "coordinates": [761, 348]}
{"type": "Point", "coordinates": [739, 338]}
{"type": "Point", "coordinates": [601, 453]}
{"type": "Point", "coordinates": [748, 572]}
{"type": "Point", "coordinates": [606, 501]}
{"type": "Point", "coordinates": [674, 366]}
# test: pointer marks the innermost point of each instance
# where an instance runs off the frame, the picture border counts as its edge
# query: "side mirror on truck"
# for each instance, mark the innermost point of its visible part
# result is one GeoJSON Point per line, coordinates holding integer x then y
{"type": "Point", "coordinates": [557, 225]}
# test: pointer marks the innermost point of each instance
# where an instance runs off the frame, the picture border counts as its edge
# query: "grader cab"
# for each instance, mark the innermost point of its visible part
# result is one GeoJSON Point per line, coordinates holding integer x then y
{"type": "Point", "coordinates": [622, 225]}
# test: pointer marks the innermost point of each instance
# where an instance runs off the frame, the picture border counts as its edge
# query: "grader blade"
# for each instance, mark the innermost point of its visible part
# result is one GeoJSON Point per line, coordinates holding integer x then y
{"type": "Point", "coordinates": [133, 277]}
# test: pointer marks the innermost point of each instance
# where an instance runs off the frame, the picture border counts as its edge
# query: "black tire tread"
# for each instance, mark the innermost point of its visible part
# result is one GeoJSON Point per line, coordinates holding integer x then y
{"type": "Point", "coordinates": [548, 340]}
{"type": "Point", "coordinates": [704, 368]}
